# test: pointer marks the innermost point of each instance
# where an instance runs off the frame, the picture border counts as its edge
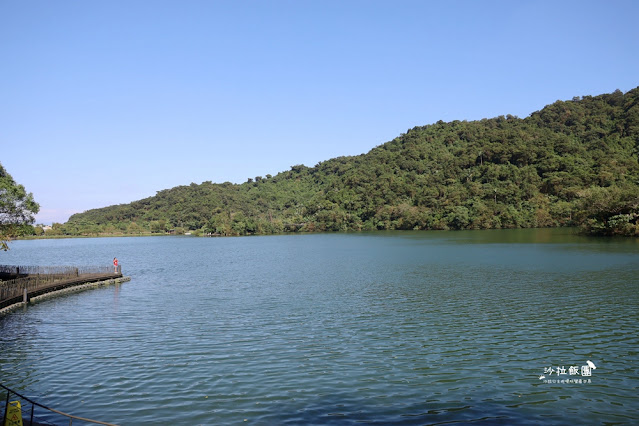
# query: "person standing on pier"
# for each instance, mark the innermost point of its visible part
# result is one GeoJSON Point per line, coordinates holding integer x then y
{"type": "Point", "coordinates": [115, 264]}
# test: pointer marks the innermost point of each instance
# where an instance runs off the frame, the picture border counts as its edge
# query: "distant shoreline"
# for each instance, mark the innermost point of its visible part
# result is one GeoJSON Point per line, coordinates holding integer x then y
{"type": "Point", "coordinates": [575, 229]}
{"type": "Point", "coordinates": [59, 237]}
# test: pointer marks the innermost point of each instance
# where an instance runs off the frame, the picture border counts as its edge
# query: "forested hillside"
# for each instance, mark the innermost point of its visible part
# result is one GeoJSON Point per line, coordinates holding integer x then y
{"type": "Point", "coordinates": [572, 163]}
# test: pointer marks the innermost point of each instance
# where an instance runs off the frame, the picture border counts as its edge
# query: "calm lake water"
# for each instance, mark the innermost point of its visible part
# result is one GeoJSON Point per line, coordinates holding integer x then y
{"type": "Point", "coordinates": [388, 328]}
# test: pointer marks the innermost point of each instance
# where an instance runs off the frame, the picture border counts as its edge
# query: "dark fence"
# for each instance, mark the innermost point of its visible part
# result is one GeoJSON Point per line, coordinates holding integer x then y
{"type": "Point", "coordinates": [22, 270]}
{"type": "Point", "coordinates": [33, 413]}
{"type": "Point", "coordinates": [32, 278]}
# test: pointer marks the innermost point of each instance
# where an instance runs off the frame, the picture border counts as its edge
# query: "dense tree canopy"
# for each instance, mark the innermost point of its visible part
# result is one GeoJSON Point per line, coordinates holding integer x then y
{"type": "Point", "coordinates": [572, 163]}
{"type": "Point", "coordinates": [17, 208]}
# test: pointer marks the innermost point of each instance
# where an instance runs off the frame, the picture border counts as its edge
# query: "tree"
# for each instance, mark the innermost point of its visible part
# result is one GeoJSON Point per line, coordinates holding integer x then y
{"type": "Point", "coordinates": [610, 211]}
{"type": "Point", "coordinates": [133, 228]}
{"type": "Point", "coordinates": [17, 208]}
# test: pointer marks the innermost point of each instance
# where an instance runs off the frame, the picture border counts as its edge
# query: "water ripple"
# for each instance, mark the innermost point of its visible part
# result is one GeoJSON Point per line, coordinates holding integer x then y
{"type": "Point", "coordinates": [336, 329]}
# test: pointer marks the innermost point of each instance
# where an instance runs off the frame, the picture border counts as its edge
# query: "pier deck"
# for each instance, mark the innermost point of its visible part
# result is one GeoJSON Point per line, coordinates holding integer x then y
{"type": "Point", "coordinates": [23, 289]}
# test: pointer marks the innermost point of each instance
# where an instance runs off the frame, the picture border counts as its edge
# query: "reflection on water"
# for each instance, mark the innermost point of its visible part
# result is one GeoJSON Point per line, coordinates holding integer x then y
{"type": "Point", "coordinates": [416, 327]}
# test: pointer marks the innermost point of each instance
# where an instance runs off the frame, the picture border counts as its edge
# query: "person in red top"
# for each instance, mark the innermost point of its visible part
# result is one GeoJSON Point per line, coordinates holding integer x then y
{"type": "Point", "coordinates": [115, 264]}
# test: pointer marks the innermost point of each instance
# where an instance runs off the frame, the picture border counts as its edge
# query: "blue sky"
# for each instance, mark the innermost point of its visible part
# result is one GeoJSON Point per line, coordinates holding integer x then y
{"type": "Point", "coordinates": [107, 102]}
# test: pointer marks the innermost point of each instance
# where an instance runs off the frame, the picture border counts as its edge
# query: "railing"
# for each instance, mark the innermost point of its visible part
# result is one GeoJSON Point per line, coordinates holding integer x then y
{"type": "Point", "coordinates": [53, 270]}
{"type": "Point", "coordinates": [31, 278]}
{"type": "Point", "coordinates": [31, 413]}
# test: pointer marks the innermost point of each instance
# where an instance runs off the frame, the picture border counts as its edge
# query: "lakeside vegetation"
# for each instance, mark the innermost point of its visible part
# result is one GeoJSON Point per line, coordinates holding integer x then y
{"type": "Point", "coordinates": [573, 163]}
{"type": "Point", "coordinates": [17, 209]}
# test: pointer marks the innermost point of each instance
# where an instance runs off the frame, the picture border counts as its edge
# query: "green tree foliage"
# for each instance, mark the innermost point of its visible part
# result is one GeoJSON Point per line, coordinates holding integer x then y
{"type": "Point", "coordinates": [572, 163]}
{"type": "Point", "coordinates": [17, 209]}
{"type": "Point", "coordinates": [612, 210]}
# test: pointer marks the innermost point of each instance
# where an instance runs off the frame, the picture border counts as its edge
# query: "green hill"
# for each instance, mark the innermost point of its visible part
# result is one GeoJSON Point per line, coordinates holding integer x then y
{"type": "Point", "coordinates": [572, 163]}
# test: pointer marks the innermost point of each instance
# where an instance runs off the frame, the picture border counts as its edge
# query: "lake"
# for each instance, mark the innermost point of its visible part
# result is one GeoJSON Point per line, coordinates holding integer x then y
{"type": "Point", "coordinates": [483, 327]}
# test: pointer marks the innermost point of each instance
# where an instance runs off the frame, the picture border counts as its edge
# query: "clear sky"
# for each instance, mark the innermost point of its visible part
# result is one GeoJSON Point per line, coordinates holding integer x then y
{"type": "Point", "coordinates": [106, 102]}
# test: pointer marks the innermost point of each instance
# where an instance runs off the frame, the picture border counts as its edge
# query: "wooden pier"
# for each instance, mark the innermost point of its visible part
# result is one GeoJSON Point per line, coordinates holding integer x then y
{"type": "Point", "coordinates": [27, 283]}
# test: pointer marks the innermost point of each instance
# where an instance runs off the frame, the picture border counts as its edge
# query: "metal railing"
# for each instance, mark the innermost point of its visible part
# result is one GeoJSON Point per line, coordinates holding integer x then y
{"type": "Point", "coordinates": [31, 278]}
{"type": "Point", "coordinates": [22, 270]}
{"type": "Point", "coordinates": [31, 413]}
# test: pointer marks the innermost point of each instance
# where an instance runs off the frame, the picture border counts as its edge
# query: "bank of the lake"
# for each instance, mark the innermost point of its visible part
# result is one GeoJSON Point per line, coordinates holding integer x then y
{"type": "Point", "coordinates": [199, 233]}
{"type": "Point", "coordinates": [58, 237]}
{"type": "Point", "coordinates": [388, 327]}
